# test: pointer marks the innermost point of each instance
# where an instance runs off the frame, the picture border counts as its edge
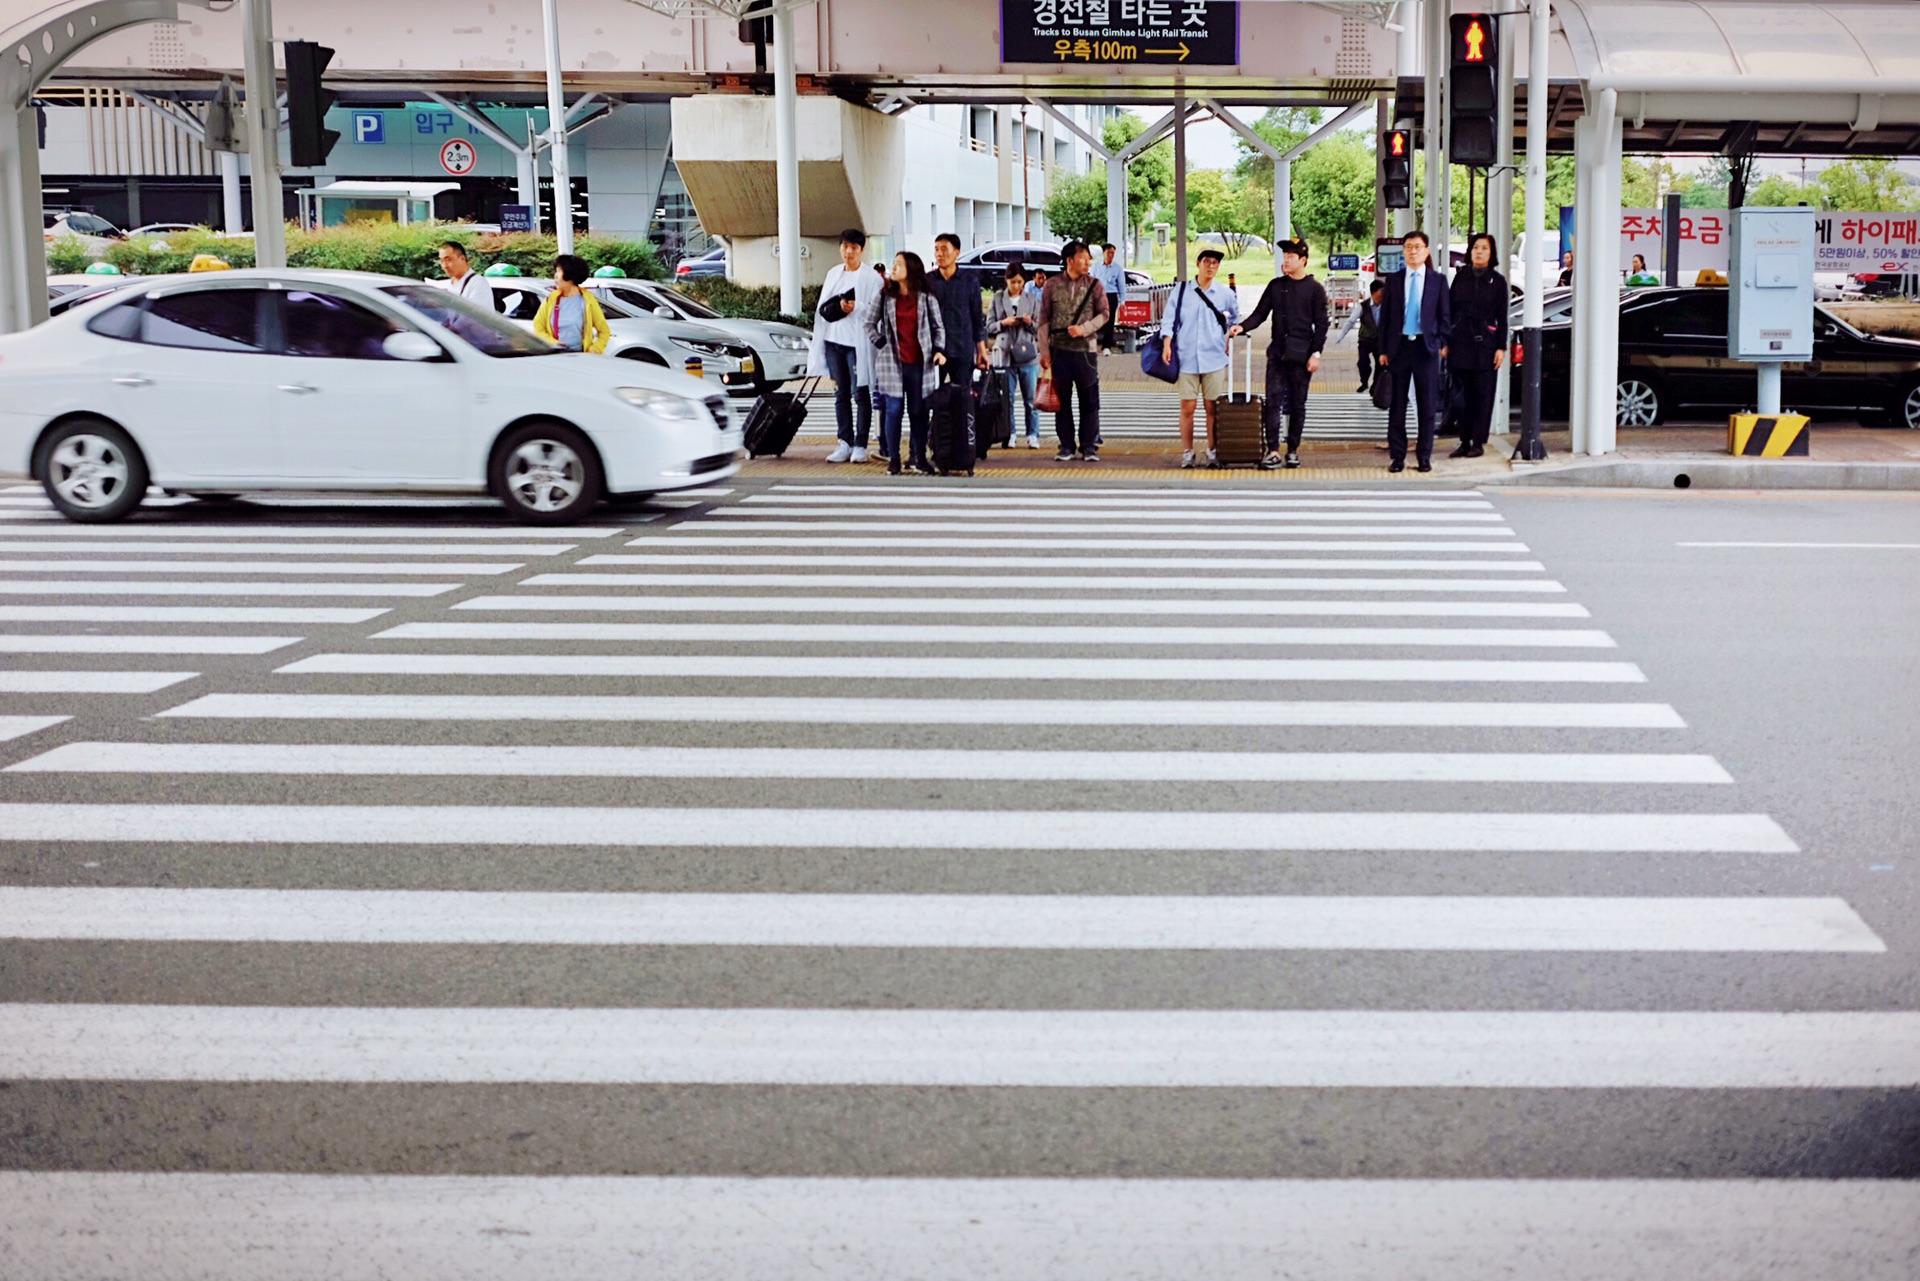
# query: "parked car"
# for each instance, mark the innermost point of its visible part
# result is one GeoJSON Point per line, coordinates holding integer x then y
{"type": "Point", "coordinates": [248, 380]}
{"type": "Point", "coordinates": [1673, 356]}
{"type": "Point", "coordinates": [67, 292]}
{"type": "Point", "coordinates": [164, 228]}
{"type": "Point", "coordinates": [779, 349]}
{"type": "Point", "coordinates": [711, 263]}
{"type": "Point", "coordinates": [990, 262]}
{"type": "Point", "coordinates": [653, 340]}
{"type": "Point", "coordinates": [94, 233]}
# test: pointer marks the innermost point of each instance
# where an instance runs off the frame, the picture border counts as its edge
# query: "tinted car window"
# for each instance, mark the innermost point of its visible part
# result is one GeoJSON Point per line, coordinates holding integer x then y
{"type": "Point", "coordinates": [118, 322]}
{"type": "Point", "coordinates": [517, 304]}
{"type": "Point", "coordinates": [206, 320]}
{"type": "Point", "coordinates": [487, 331]}
{"type": "Point", "coordinates": [327, 325]}
{"type": "Point", "coordinates": [1702, 312]}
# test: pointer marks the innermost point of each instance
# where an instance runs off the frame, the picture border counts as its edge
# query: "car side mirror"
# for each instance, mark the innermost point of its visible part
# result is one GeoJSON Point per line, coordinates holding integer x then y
{"type": "Point", "coordinates": [668, 312]}
{"type": "Point", "coordinates": [410, 345]}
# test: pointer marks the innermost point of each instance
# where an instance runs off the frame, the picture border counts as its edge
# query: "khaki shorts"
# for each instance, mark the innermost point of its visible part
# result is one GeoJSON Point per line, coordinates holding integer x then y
{"type": "Point", "coordinates": [1202, 386]}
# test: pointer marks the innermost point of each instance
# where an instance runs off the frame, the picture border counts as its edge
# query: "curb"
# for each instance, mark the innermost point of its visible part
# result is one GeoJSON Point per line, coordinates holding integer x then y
{"type": "Point", "coordinates": [1709, 472]}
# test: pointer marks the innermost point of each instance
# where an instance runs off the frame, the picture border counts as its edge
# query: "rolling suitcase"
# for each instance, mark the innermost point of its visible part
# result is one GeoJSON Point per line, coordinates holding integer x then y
{"type": "Point", "coordinates": [950, 423]}
{"type": "Point", "coordinates": [1239, 420]}
{"type": "Point", "coordinates": [992, 424]}
{"type": "Point", "coordinates": [775, 420]}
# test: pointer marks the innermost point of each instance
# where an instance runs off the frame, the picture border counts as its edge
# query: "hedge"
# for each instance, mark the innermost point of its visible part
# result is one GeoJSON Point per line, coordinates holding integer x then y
{"type": "Point", "coordinates": [749, 302]}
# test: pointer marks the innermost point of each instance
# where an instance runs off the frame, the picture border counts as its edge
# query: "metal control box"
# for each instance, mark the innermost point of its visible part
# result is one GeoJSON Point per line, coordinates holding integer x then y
{"type": "Point", "coordinates": [1770, 316]}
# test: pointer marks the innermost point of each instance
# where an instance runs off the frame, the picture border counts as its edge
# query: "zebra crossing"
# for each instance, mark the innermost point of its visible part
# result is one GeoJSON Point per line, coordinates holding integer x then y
{"type": "Point", "coordinates": [989, 883]}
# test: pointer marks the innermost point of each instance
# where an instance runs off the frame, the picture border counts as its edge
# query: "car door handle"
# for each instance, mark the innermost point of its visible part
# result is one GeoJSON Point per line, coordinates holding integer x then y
{"type": "Point", "coordinates": [133, 380]}
{"type": "Point", "coordinates": [299, 389]}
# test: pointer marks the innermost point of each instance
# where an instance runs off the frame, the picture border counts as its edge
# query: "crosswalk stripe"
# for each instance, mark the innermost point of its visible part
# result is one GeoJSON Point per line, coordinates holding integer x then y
{"type": "Point", "coordinates": [181, 614]}
{"type": "Point", "coordinates": [1194, 923]}
{"type": "Point", "coordinates": [126, 644]}
{"type": "Point", "coordinates": [1051, 543]}
{"type": "Point", "coordinates": [989, 572]}
{"type": "Point", "coordinates": [755, 515]}
{"type": "Point", "coordinates": [874, 525]}
{"type": "Point", "coordinates": [1132, 499]}
{"type": "Point", "coordinates": [145, 587]}
{"type": "Point", "coordinates": [272, 567]}
{"type": "Point", "coordinates": [1004, 634]}
{"type": "Point", "coordinates": [1039, 605]}
{"type": "Point", "coordinates": [204, 1226]}
{"type": "Point", "coordinates": [398, 760]}
{"type": "Point", "coordinates": [771, 828]}
{"type": "Point", "coordinates": [1083, 1049]}
{"type": "Point", "coordinates": [927, 711]}
{"type": "Point", "coordinates": [1223, 671]}
{"type": "Point", "coordinates": [90, 682]}
{"type": "Point", "coordinates": [12, 727]}
{"type": "Point", "coordinates": [225, 532]}
{"type": "Point", "coordinates": [295, 549]}
{"type": "Point", "coordinates": [1079, 582]}
{"type": "Point", "coordinates": [908, 490]}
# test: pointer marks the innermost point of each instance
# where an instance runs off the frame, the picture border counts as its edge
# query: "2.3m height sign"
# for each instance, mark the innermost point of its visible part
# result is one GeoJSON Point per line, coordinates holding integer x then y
{"type": "Point", "coordinates": [1113, 31]}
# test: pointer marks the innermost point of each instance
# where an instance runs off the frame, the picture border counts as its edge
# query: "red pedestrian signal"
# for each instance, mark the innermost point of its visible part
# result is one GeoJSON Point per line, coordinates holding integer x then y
{"type": "Point", "coordinates": [1397, 146]}
{"type": "Point", "coordinates": [1473, 89]}
{"type": "Point", "coordinates": [1396, 169]}
{"type": "Point", "coordinates": [1476, 42]}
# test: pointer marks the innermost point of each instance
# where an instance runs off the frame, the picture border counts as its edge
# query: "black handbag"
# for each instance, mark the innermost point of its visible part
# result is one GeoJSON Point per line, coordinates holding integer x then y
{"type": "Point", "coordinates": [830, 308]}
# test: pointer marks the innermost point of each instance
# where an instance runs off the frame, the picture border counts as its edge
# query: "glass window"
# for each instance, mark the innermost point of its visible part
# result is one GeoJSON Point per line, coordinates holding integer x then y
{"type": "Point", "coordinates": [329, 326]}
{"type": "Point", "coordinates": [486, 331]}
{"type": "Point", "coordinates": [118, 322]}
{"type": "Point", "coordinates": [1698, 313]}
{"type": "Point", "coordinates": [206, 320]}
{"type": "Point", "coordinates": [690, 307]}
{"type": "Point", "coordinates": [517, 304]}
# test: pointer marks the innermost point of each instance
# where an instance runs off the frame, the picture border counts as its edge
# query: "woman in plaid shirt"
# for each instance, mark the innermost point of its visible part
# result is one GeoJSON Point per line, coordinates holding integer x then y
{"type": "Point", "coordinates": [904, 325]}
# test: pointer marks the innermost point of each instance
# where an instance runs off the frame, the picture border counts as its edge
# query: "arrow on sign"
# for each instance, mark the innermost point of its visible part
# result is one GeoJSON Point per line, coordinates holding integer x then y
{"type": "Point", "coordinates": [1182, 51]}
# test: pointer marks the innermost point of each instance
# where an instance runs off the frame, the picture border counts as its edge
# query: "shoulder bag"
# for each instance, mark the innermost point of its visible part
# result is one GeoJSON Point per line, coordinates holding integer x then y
{"type": "Point", "coordinates": [1153, 361]}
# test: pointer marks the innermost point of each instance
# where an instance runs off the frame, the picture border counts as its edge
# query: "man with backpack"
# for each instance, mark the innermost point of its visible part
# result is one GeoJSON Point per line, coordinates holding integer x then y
{"type": "Point", "coordinates": [1298, 304]}
{"type": "Point", "coordinates": [1203, 312]}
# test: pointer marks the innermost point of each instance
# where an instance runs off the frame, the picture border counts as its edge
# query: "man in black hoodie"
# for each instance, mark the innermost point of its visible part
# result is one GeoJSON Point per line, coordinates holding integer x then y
{"type": "Point", "coordinates": [1298, 304]}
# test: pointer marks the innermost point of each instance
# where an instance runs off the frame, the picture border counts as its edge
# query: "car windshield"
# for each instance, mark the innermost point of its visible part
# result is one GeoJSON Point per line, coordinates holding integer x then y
{"type": "Point", "coordinates": [1826, 317]}
{"type": "Point", "coordinates": [687, 306]}
{"type": "Point", "coordinates": [485, 331]}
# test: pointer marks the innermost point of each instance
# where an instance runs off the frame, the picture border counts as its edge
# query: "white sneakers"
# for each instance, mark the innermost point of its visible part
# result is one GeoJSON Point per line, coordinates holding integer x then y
{"type": "Point", "coordinates": [842, 452]}
{"type": "Point", "coordinates": [1033, 442]}
{"type": "Point", "coordinates": [1186, 459]}
{"type": "Point", "coordinates": [859, 455]}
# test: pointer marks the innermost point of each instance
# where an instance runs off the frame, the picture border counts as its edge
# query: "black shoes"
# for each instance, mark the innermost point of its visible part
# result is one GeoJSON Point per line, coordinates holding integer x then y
{"type": "Point", "coordinates": [1465, 451]}
{"type": "Point", "coordinates": [1424, 466]}
{"type": "Point", "coordinates": [1292, 459]}
{"type": "Point", "coordinates": [1398, 464]}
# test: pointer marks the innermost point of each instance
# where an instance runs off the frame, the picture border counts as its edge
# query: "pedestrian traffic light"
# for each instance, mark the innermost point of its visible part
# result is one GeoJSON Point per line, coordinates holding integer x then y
{"type": "Point", "coordinates": [1473, 82]}
{"type": "Point", "coordinates": [1396, 168]}
{"type": "Point", "coordinates": [308, 138]}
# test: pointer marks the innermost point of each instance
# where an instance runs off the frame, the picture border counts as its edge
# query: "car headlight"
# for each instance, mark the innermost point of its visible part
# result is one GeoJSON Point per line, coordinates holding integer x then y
{"type": "Point", "coordinates": [792, 342]}
{"type": "Point", "coordinates": [664, 404]}
{"type": "Point", "coordinates": [701, 348]}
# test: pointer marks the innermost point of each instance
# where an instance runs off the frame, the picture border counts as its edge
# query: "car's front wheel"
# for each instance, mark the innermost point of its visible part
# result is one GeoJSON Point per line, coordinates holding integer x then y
{"type": "Point", "coordinates": [1905, 409]}
{"type": "Point", "coordinates": [92, 471]}
{"type": "Point", "coordinates": [547, 473]}
{"type": "Point", "coordinates": [1639, 402]}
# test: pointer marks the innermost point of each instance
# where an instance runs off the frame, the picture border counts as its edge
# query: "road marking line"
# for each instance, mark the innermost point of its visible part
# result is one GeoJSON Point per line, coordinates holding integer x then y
{"type": "Point", "coordinates": [1048, 569]}
{"type": "Point", "coordinates": [1200, 923]}
{"type": "Point", "coordinates": [926, 711]}
{"type": "Point", "coordinates": [181, 614]}
{"type": "Point", "coordinates": [298, 549]}
{"type": "Point", "coordinates": [1053, 543]}
{"type": "Point", "coordinates": [855, 667]}
{"type": "Point", "coordinates": [90, 682]}
{"type": "Point", "coordinates": [12, 727]}
{"type": "Point", "coordinates": [1076, 582]}
{"type": "Point", "coordinates": [1118, 606]}
{"type": "Point", "coordinates": [1003, 634]}
{"type": "Point", "coordinates": [1844, 546]}
{"type": "Point", "coordinates": [788, 829]}
{"type": "Point", "coordinates": [1132, 500]}
{"type": "Point", "coordinates": [836, 763]}
{"type": "Point", "coordinates": [927, 516]}
{"type": "Point", "coordinates": [871, 525]}
{"type": "Point", "coordinates": [114, 644]}
{"type": "Point", "coordinates": [182, 529]}
{"type": "Point", "coordinates": [117, 1226]}
{"type": "Point", "coordinates": [1070, 1049]}
{"type": "Point", "coordinates": [283, 568]}
{"type": "Point", "coordinates": [145, 588]}
{"type": "Point", "coordinates": [942, 493]}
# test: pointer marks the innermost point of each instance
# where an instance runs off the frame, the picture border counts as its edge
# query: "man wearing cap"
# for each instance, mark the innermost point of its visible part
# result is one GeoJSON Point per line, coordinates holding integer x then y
{"type": "Point", "coordinates": [1298, 304]}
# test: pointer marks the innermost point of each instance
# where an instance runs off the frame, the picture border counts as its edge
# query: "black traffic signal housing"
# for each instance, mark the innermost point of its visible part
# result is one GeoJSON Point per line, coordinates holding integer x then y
{"type": "Point", "coordinates": [1473, 89]}
{"type": "Point", "coordinates": [308, 138]}
{"type": "Point", "coordinates": [1396, 168]}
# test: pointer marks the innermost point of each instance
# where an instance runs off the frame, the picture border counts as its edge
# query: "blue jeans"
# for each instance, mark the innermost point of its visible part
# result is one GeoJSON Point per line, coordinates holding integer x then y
{"type": "Point", "coordinates": [1027, 378]}
{"type": "Point", "coordinates": [843, 366]}
{"type": "Point", "coordinates": [915, 406]}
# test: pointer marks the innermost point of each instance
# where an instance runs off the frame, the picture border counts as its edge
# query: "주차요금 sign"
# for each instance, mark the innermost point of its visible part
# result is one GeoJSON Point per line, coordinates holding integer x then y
{"type": "Point", "coordinates": [1183, 32]}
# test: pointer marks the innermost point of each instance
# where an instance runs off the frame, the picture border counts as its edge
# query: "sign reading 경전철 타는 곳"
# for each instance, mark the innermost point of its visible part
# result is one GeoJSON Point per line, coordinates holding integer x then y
{"type": "Point", "coordinates": [1182, 32]}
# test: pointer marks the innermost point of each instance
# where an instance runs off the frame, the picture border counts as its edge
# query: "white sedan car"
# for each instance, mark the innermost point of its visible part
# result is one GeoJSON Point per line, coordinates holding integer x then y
{"type": "Point", "coordinates": [326, 380]}
{"type": "Point", "coordinates": [779, 349]}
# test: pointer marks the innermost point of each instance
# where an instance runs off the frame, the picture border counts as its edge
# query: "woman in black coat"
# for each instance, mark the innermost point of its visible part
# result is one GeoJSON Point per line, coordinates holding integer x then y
{"type": "Point", "coordinates": [1477, 345]}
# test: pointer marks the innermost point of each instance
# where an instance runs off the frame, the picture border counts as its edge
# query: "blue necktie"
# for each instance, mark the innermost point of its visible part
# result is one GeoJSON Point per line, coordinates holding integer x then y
{"type": "Point", "coordinates": [1415, 282]}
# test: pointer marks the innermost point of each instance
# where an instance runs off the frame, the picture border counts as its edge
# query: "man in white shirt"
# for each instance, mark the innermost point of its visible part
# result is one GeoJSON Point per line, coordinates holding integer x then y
{"type": "Point", "coordinates": [1112, 275]}
{"type": "Point", "coordinates": [840, 353]}
{"type": "Point", "coordinates": [466, 282]}
{"type": "Point", "coordinates": [1203, 310]}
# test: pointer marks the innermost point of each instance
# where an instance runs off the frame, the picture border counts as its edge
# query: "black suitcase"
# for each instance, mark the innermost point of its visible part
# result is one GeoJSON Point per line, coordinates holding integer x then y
{"type": "Point", "coordinates": [1239, 420]}
{"type": "Point", "coordinates": [950, 422]}
{"type": "Point", "coordinates": [775, 420]}
{"type": "Point", "coordinates": [992, 424]}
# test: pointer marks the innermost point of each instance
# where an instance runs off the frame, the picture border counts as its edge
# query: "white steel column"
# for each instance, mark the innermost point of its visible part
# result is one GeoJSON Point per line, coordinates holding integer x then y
{"type": "Point", "coordinates": [23, 251]}
{"type": "Point", "coordinates": [1603, 378]}
{"type": "Point", "coordinates": [232, 214]}
{"type": "Point", "coordinates": [263, 137]}
{"type": "Point", "coordinates": [1117, 219]}
{"type": "Point", "coordinates": [786, 152]}
{"type": "Point", "coordinates": [1439, 190]}
{"type": "Point", "coordinates": [1530, 449]}
{"type": "Point", "coordinates": [1407, 62]}
{"type": "Point", "coordinates": [1180, 182]}
{"type": "Point", "coordinates": [1584, 284]}
{"type": "Point", "coordinates": [557, 132]}
{"type": "Point", "coordinates": [1282, 207]}
{"type": "Point", "coordinates": [1500, 199]}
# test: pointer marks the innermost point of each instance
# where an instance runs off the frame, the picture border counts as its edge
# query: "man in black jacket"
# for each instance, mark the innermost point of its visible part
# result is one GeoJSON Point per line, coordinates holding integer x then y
{"type": "Point", "coordinates": [1477, 346]}
{"type": "Point", "coordinates": [1413, 342]}
{"type": "Point", "coordinates": [1298, 305]}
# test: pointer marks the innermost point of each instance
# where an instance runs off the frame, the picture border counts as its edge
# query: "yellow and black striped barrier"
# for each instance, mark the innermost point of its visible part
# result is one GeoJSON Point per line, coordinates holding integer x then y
{"type": "Point", "coordinates": [1768, 435]}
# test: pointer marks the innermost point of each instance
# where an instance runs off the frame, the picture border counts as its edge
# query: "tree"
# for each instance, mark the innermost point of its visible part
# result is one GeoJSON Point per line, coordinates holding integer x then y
{"type": "Point", "coordinates": [1333, 190]}
{"type": "Point", "coordinates": [1215, 204]}
{"type": "Point", "coordinates": [1779, 189]}
{"type": "Point", "coordinates": [1149, 174]}
{"type": "Point", "coordinates": [1867, 184]}
{"type": "Point", "coordinates": [1282, 128]}
{"type": "Point", "coordinates": [1077, 207]}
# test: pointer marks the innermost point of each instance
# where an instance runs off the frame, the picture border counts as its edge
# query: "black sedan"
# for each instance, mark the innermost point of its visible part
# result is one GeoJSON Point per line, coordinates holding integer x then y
{"type": "Point", "coordinates": [1673, 357]}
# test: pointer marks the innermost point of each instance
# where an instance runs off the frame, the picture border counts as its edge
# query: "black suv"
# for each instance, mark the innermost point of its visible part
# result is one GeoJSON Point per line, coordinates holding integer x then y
{"type": "Point", "coordinates": [1673, 356]}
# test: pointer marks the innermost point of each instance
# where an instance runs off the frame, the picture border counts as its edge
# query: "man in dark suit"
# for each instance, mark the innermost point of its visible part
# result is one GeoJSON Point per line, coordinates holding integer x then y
{"type": "Point", "coordinates": [1413, 343]}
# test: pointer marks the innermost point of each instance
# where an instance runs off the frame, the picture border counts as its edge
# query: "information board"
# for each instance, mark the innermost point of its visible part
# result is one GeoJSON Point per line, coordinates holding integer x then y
{"type": "Point", "coordinates": [1193, 32]}
{"type": "Point", "coordinates": [1868, 243]}
{"type": "Point", "coordinates": [516, 218]}
{"type": "Point", "coordinates": [1343, 262]}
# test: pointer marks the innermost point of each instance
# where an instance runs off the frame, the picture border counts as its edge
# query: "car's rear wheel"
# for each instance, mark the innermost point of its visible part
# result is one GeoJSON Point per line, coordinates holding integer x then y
{"type": "Point", "coordinates": [1905, 409]}
{"type": "Point", "coordinates": [92, 471]}
{"type": "Point", "coordinates": [1639, 402]}
{"type": "Point", "coordinates": [547, 473]}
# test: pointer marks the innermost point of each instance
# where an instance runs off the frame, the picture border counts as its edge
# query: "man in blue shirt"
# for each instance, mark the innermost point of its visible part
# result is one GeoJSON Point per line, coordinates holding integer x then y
{"type": "Point", "coordinates": [1202, 312]}
{"type": "Point", "coordinates": [1112, 275]}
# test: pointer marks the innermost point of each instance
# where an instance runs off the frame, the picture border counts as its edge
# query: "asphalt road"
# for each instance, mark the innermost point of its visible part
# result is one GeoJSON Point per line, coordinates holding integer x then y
{"type": "Point", "coordinates": [903, 880]}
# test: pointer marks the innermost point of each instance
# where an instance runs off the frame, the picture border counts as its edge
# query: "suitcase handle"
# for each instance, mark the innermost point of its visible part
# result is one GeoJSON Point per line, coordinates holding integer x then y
{"type": "Point", "coordinates": [1249, 366]}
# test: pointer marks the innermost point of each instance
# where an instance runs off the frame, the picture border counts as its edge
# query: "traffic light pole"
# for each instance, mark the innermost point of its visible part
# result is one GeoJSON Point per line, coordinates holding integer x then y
{"type": "Point", "coordinates": [1531, 449]}
{"type": "Point", "coordinates": [263, 137]}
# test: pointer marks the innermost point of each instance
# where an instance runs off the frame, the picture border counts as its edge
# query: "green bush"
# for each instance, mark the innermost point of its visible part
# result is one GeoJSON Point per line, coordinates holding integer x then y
{"type": "Point", "coordinates": [145, 256]}
{"type": "Point", "coordinates": [66, 256]}
{"type": "Point", "coordinates": [749, 302]}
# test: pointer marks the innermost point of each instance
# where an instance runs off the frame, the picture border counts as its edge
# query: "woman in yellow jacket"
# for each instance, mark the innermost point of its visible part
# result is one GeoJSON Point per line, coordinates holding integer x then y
{"type": "Point", "coordinates": [570, 315]}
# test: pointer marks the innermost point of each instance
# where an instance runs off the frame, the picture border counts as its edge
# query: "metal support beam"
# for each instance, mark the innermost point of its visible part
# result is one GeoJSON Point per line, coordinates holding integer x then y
{"type": "Point", "coordinates": [1382, 121]}
{"type": "Point", "coordinates": [1438, 205]}
{"type": "Point", "coordinates": [1500, 199]}
{"type": "Point", "coordinates": [233, 215]}
{"type": "Point", "coordinates": [1180, 182]}
{"type": "Point", "coordinates": [557, 131]}
{"type": "Point", "coordinates": [263, 137]}
{"type": "Point", "coordinates": [1407, 63]}
{"type": "Point", "coordinates": [525, 164]}
{"type": "Point", "coordinates": [1530, 449]}
{"type": "Point", "coordinates": [1117, 219]}
{"type": "Point", "coordinates": [1596, 355]}
{"type": "Point", "coordinates": [786, 150]}
{"type": "Point", "coordinates": [171, 112]}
